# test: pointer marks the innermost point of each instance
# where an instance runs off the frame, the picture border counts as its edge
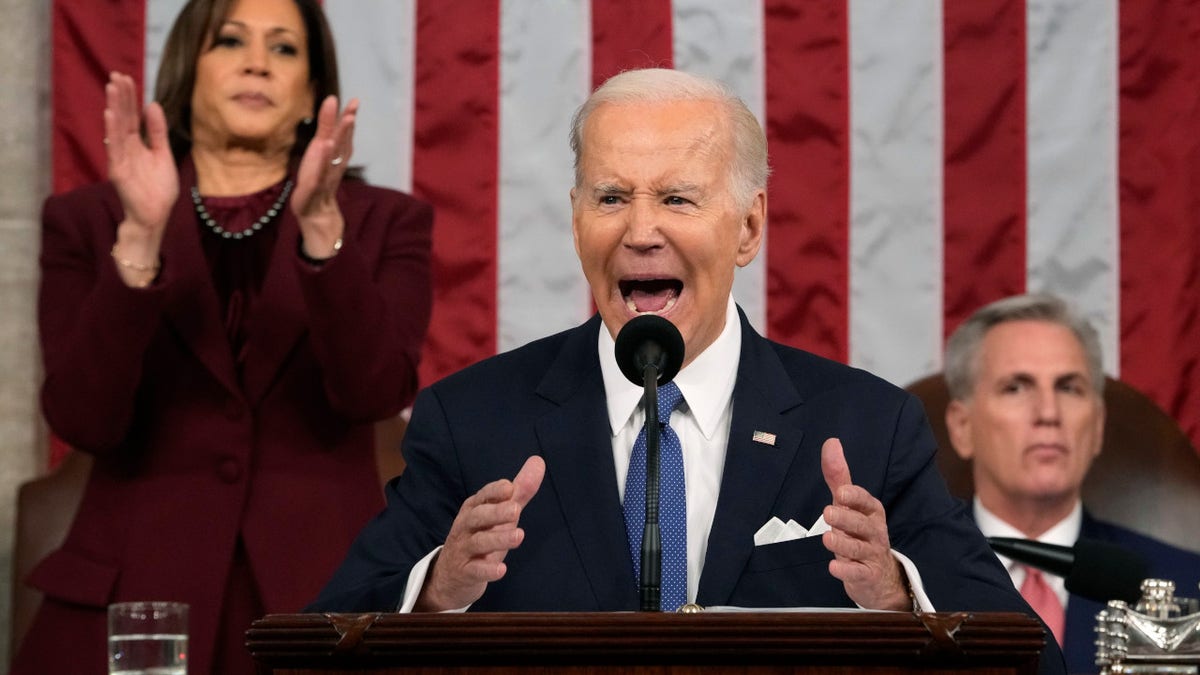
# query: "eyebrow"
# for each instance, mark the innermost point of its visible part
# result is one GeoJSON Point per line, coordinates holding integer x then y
{"type": "Point", "coordinates": [276, 30]}
{"type": "Point", "coordinates": [1022, 376]}
{"type": "Point", "coordinates": [616, 189]}
{"type": "Point", "coordinates": [1071, 377]}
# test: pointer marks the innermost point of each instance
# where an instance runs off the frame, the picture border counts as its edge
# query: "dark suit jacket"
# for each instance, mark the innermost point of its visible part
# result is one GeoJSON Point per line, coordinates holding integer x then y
{"type": "Point", "coordinates": [1163, 562]}
{"type": "Point", "coordinates": [188, 457]}
{"type": "Point", "coordinates": [547, 398]}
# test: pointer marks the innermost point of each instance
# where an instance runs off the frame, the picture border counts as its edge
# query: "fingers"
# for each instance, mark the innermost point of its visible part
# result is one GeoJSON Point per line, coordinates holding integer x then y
{"type": "Point", "coordinates": [334, 135]}
{"type": "Point", "coordinates": [834, 467]}
{"type": "Point", "coordinates": [120, 98]}
{"type": "Point", "coordinates": [858, 526]}
{"type": "Point", "coordinates": [343, 137]}
{"type": "Point", "coordinates": [156, 127]}
{"type": "Point", "coordinates": [482, 534]}
{"type": "Point", "coordinates": [498, 505]}
{"type": "Point", "coordinates": [528, 480]}
{"type": "Point", "coordinates": [326, 118]}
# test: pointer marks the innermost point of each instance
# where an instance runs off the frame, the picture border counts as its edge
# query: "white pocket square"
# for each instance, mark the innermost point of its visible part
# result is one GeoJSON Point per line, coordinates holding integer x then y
{"type": "Point", "coordinates": [775, 531]}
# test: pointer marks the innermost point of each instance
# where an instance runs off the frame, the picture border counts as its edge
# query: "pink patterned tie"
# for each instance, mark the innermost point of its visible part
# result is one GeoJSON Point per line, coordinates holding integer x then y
{"type": "Point", "coordinates": [1044, 601]}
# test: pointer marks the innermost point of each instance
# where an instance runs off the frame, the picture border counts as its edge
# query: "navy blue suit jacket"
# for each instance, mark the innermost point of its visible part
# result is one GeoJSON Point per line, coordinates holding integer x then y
{"type": "Point", "coordinates": [1163, 562]}
{"type": "Point", "coordinates": [547, 398]}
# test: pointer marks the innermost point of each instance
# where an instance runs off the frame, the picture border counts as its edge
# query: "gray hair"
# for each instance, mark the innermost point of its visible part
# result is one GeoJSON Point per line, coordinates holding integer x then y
{"type": "Point", "coordinates": [659, 85]}
{"type": "Point", "coordinates": [962, 349]}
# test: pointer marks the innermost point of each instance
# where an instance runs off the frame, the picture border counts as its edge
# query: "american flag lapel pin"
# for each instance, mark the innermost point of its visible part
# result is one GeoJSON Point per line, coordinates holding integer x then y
{"type": "Point", "coordinates": [764, 438]}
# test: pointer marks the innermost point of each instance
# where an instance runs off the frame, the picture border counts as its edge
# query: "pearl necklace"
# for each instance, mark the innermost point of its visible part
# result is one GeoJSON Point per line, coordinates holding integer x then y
{"type": "Point", "coordinates": [259, 224]}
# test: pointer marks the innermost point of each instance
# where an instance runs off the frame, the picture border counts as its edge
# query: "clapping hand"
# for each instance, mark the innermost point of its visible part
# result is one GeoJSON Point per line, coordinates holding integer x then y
{"type": "Point", "coordinates": [321, 169]}
{"type": "Point", "coordinates": [143, 173]}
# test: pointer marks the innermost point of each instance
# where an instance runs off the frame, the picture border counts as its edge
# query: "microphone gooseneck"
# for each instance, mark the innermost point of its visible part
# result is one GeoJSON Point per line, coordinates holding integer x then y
{"type": "Point", "coordinates": [649, 351]}
{"type": "Point", "coordinates": [1091, 569]}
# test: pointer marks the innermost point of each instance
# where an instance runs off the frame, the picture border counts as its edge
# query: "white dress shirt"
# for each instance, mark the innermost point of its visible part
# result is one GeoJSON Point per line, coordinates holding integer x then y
{"type": "Point", "coordinates": [1064, 533]}
{"type": "Point", "coordinates": [701, 422]}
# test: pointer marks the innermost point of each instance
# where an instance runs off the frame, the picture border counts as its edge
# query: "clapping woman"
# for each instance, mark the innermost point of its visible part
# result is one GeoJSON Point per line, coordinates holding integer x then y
{"type": "Point", "coordinates": [221, 323]}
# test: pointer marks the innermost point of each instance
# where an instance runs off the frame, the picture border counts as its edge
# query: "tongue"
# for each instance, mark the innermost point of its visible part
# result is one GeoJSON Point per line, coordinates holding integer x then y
{"type": "Point", "coordinates": [651, 301]}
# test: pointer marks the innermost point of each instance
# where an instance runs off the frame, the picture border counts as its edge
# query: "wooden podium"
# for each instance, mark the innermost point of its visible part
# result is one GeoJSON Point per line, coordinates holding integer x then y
{"type": "Point", "coordinates": [636, 643]}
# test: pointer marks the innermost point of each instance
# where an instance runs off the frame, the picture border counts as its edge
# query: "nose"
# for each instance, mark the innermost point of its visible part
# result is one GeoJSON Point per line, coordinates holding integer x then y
{"type": "Point", "coordinates": [641, 227]}
{"type": "Point", "coordinates": [256, 58]}
{"type": "Point", "coordinates": [1048, 411]}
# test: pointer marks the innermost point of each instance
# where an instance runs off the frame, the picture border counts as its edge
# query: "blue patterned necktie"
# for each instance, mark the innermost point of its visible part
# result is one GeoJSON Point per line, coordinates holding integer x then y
{"type": "Point", "coordinates": [672, 502]}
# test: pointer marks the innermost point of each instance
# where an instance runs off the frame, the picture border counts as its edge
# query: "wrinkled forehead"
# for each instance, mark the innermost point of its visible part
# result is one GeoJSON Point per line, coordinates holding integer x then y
{"type": "Point", "coordinates": [684, 136]}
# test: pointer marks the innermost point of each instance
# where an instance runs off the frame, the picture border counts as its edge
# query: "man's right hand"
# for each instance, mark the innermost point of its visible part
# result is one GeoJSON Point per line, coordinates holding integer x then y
{"type": "Point", "coordinates": [483, 533]}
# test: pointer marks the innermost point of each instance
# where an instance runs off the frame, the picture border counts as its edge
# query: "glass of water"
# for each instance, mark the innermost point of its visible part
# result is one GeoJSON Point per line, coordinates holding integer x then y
{"type": "Point", "coordinates": [147, 638]}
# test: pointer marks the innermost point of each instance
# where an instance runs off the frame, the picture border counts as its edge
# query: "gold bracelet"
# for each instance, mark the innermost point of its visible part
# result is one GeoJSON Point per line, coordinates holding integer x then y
{"type": "Point", "coordinates": [129, 264]}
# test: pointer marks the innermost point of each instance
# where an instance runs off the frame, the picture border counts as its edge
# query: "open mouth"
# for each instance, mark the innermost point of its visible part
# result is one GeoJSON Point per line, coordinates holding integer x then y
{"type": "Point", "coordinates": [650, 296]}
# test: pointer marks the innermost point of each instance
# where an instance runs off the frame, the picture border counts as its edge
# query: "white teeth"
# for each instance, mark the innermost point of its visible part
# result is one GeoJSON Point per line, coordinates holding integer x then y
{"type": "Point", "coordinates": [632, 307]}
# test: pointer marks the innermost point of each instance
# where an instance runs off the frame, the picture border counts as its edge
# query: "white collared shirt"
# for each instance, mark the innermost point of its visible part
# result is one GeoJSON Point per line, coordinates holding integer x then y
{"type": "Point", "coordinates": [1064, 533]}
{"type": "Point", "coordinates": [702, 423]}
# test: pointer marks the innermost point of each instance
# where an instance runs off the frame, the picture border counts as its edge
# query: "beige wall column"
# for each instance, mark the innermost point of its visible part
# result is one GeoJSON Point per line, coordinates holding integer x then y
{"type": "Point", "coordinates": [24, 183]}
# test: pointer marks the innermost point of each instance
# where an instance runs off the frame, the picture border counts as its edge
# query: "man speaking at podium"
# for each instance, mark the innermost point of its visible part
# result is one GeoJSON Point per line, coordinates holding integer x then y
{"type": "Point", "coordinates": [796, 481]}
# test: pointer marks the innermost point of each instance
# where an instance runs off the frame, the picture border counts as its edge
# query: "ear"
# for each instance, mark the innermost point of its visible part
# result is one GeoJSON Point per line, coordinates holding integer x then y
{"type": "Point", "coordinates": [958, 424]}
{"type": "Point", "coordinates": [1100, 419]}
{"type": "Point", "coordinates": [575, 224]}
{"type": "Point", "coordinates": [751, 233]}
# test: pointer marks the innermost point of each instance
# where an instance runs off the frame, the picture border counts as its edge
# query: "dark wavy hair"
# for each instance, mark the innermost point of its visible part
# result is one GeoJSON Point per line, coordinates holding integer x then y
{"type": "Point", "coordinates": [198, 22]}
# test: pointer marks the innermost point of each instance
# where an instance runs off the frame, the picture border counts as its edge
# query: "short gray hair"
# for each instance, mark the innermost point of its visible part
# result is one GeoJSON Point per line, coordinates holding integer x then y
{"type": "Point", "coordinates": [962, 349]}
{"type": "Point", "coordinates": [659, 85]}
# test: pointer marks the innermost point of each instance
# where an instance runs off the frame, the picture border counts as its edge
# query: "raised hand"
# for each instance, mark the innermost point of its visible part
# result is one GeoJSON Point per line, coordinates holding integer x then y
{"type": "Point", "coordinates": [483, 533]}
{"type": "Point", "coordinates": [143, 173]}
{"type": "Point", "coordinates": [858, 538]}
{"type": "Point", "coordinates": [321, 169]}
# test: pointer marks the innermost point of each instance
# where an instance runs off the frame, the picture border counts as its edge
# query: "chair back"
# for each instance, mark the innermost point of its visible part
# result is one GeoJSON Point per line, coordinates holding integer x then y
{"type": "Point", "coordinates": [46, 508]}
{"type": "Point", "coordinates": [1147, 477]}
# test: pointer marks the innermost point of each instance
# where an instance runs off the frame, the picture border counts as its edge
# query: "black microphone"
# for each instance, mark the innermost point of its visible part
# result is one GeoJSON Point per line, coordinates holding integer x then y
{"type": "Point", "coordinates": [1092, 569]}
{"type": "Point", "coordinates": [649, 351]}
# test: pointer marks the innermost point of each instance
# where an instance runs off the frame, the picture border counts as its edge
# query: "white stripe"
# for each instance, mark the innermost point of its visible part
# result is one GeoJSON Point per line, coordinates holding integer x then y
{"type": "Point", "coordinates": [376, 45]}
{"type": "Point", "coordinates": [724, 40]}
{"type": "Point", "coordinates": [160, 16]}
{"type": "Point", "coordinates": [895, 187]}
{"type": "Point", "coordinates": [1072, 154]}
{"type": "Point", "coordinates": [545, 73]}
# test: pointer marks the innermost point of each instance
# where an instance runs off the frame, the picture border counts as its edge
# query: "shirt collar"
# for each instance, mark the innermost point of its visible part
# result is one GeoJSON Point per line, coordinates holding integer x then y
{"type": "Point", "coordinates": [1064, 533]}
{"type": "Point", "coordinates": [706, 383]}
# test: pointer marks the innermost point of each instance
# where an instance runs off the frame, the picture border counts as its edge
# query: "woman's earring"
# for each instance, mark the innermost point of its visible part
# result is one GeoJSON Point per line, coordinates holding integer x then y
{"type": "Point", "coordinates": [306, 121]}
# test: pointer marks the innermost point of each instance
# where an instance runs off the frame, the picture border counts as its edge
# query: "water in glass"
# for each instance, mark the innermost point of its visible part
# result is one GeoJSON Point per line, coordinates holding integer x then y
{"type": "Point", "coordinates": [147, 654]}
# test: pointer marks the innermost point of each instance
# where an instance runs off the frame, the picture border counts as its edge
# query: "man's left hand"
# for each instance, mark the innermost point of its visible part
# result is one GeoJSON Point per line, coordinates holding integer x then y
{"type": "Point", "coordinates": [858, 539]}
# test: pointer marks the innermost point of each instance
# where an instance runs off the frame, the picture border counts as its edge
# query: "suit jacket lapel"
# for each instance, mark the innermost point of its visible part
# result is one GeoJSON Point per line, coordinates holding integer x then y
{"type": "Point", "coordinates": [754, 471]}
{"type": "Point", "coordinates": [194, 312]}
{"type": "Point", "coordinates": [278, 318]}
{"type": "Point", "coordinates": [577, 445]}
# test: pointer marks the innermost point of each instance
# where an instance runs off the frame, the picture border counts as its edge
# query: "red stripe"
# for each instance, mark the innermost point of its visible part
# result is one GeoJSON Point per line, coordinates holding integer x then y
{"type": "Point", "coordinates": [455, 161]}
{"type": "Point", "coordinates": [1159, 170]}
{"type": "Point", "coordinates": [984, 179]}
{"type": "Point", "coordinates": [808, 133]}
{"type": "Point", "coordinates": [630, 34]}
{"type": "Point", "coordinates": [87, 43]}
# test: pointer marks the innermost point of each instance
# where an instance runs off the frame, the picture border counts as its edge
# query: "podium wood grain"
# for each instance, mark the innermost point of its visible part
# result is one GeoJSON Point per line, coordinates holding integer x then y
{"type": "Point", "coordinates": [749, 643]}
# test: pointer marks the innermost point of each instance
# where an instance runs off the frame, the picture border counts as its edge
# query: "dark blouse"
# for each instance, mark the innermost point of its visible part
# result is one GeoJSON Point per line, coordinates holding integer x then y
{"type": "Point", "coordinates": [238, 266]}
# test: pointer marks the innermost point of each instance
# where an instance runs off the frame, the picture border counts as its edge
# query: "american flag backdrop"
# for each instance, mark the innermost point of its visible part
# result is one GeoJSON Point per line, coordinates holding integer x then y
{"type": "Point", "coordinates": [929, 156]}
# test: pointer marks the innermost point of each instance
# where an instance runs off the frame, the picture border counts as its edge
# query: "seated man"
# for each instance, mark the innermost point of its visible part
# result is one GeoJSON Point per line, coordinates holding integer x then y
{"type": "Point", "coordinates": [669, 199]}
{"type": "Point", "coordinates": [1027, 408]}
